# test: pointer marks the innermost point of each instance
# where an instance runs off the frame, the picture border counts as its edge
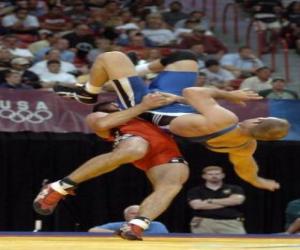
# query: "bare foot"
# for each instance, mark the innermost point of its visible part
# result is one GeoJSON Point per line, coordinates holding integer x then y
{"type": "Point", "coordinates": [268, 184]}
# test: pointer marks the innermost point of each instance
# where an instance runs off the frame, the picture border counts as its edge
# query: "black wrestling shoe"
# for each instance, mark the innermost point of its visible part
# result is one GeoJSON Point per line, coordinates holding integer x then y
{"type": "Point", "coordinates": [77, 93]}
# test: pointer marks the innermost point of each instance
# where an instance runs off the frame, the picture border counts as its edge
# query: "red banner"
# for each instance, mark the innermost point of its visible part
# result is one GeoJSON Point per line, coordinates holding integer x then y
{"type": "Point", "coordinates": [41, 111]}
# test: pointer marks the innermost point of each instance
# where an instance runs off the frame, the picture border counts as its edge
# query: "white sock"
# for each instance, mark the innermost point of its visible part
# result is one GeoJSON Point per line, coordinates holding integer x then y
{"type": "Point", "coordinates": [58, 188]}
{"type": "Point", "coordinates": [92, 89]}
{"type": "Point", "coordinates": [143, 69]}
{"type": "Point", "coordinates": [141, 223]}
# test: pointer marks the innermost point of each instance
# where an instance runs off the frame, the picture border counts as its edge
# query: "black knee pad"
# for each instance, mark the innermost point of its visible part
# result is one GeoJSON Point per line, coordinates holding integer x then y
{"type": "Point", "coordinates": [179, 160]}
{"type": "Point", "coordinates": [178, 56]}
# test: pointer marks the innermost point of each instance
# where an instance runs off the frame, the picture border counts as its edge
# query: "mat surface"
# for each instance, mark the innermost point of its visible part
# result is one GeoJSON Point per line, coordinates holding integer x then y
{"type": "Point", "coordinates": [174, 242]}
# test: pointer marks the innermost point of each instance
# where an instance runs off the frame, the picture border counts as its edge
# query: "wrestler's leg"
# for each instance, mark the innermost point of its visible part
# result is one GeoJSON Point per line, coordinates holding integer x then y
{"type": "Point", "coordinates": [167, 180]}
{"type": "Point", "coordinates": [107, 66]}
{"type": "Point", "coordinates": [110, 66]}
{"type": "Point", "coordinates": [178, 61]}
{"type": "Point", "coordinates": [129, 150]}
{"type": "Point", "coordinates": [212, 117]}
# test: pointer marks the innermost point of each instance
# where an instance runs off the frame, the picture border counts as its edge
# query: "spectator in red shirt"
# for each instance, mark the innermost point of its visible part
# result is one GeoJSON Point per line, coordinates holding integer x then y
{"type": "Point", "coordinates": [55, 20]}
{"type": "Point", "coordinates": [211, 44]}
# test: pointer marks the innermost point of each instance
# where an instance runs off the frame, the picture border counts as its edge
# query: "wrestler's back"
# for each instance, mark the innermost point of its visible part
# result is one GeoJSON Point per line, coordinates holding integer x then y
{"type": "Point", "coordinates": [232, 141]}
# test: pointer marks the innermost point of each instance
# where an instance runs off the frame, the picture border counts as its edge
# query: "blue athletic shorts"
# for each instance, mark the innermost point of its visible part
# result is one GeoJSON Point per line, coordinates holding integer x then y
{"type": "Point", "coordinates": [132, 90]}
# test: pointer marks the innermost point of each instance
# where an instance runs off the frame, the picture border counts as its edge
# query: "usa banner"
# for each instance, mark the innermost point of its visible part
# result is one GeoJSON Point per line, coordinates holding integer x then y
{"type": "Point", "coordinates": [44, 111]}
{"type": "Point", "coordinates": [40, 111]}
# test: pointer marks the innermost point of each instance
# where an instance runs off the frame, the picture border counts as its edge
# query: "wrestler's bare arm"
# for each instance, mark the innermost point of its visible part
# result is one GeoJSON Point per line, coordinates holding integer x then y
{"type": "Point", "coordinates": [236, 96]}
{"type": "Point", "coordinates": [246, 168]}
{"type": "Point", "coordinates": [112, 120]}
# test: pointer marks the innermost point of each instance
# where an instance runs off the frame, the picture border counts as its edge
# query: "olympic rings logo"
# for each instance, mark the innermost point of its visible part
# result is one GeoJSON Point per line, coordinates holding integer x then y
{"type": "Point", "coordinates": [25, 115]}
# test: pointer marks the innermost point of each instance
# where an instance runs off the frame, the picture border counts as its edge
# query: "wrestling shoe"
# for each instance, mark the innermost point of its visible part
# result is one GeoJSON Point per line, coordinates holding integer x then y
{"type": "Point", "coordinates": [47, 200]}
{"type": "Point", "coordinates": [130, 232]}
{"type": "Point", "coordinates": [77, 93]}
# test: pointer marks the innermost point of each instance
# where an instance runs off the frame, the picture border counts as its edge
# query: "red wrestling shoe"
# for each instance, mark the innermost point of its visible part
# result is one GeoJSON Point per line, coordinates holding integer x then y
{"type": "Point", "coordinates": [130, 232]}
{"type": "Point", "coordinates": [47, 200]}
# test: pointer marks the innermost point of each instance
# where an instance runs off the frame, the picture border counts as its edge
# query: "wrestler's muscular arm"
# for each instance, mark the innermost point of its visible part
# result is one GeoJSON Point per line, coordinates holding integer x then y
{"type": "Point", "coordinates": [246, 168]}
{"type": "Point", "coordinates": [108, 121]}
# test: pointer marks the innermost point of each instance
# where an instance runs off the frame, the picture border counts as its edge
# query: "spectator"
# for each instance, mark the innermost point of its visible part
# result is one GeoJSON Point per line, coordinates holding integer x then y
{"type": "Point", "coordinates": [217, 76]}
{"type": "Point", "coordinates": [269, 17]}
{"type": "Point", "coordinates": [293, 13]}
{"type": "Point", "coordinates": [197, 16]}
{"type": "Point", "coordinates": [21, 22]}
{"type": "Point", "coordinates": [60, 44]}
{"type": "Point", "coordinates": [55, 76]}
{"type": "Point", "coordinates": [37, 7]}
{"type": "Point", "coordinates": [279, 90]}
{"type": "Point", "coordinates": [211, 44]}
{"type": "Point", "coordinates": [5, 7]}
{"type": "Point", "coordinates": [41, 67]}
{"type": "Point", "coordinates": [215, 205]}
{"type": "Point", "coordinates": [21, 65]}
{"type": "Point", "coordinates": [79, 13]}
{"type": "Point", "coordinates": [138, 43]}
{"type": "Point", "coordinates": [292, 217]}
{"type": "Point", "coordinates": [242, 64]}
{"type": "Point", "coordinates": [174, 14]}
{"type": "Point", "coordinates": [267, 13]}
{"type": "Point", "coordinates": [199, 51]}
{"type": "Point", "coordinates": [186, 31]}
{"type": "Point", "coordinates": [129, 35]}
{"type": "Point", "coordinates": [156, 31]}
{"type": "Point", "coordinates": [153, 54]}
{"type": "Point", "coordinates": [11, 42]}
{"type": "Point", "coordinates": [130, 213]}
{"type": "Point", "coordinates": [291, 34]}
{"type": "Point", "coordinates": [46, 39]}
{"type": "Point", "coordinates": [55, 20]}
{"type": "Point", "coordinates": [13, 80]}
{"type": "Point", "coordinates": [96, 22]}
{"type": "Point", "coordinates": [81, 35]}
{"type": "Point", "coordinates": [261, 81]}
{"type": "Point", "coordinates": [189, 5]}
{"type": "Point", "coordinates": [201, 80]}
{"type": "Point", "coordinates": [5, 58]}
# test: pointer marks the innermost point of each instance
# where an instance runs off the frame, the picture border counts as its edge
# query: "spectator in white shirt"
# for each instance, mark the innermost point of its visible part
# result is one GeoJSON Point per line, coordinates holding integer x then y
{"type": "Point", "coordinates": [242, 64]}
{"type": "Point", "coordinates": [21, 22]}
{"type": "Point", "coordinates": [53, 54]}
{"type": "Point", "coordinates": [156, 30]}
{"type": "Point", "coordinates": [55, 76]}
{"type": "Point", "coordinates": [11, 43]}
{"type": "Point", "coordinates": [217, 76]}
{"type": "Point", "coordinates": [261, 81]}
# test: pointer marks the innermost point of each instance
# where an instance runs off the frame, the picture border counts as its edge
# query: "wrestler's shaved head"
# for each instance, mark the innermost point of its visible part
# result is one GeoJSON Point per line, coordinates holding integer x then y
{"type": "Point", "coordinates": [270, 128]}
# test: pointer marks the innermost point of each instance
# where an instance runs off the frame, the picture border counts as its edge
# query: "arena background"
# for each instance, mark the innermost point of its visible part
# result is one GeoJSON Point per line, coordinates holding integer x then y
{"type": "Point", "coordinates": [28, 158]}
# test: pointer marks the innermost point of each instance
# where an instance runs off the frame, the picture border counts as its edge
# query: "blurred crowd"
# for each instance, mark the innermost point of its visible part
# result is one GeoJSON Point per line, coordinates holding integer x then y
{"type": "Point", "coordinates": [43, 43]}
